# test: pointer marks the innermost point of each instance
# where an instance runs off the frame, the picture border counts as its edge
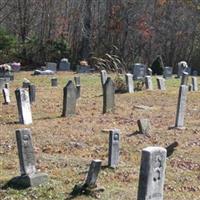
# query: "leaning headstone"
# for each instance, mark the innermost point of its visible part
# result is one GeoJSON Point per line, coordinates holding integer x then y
{"type": "Point", "coordinates": [77, 81]}
{"type": "Point", "coordinates": [148, 83]}
{"type": "Point", "coordinates": [113, 155]}
{"type": "Point", "coordinates": [32, 91]}
{"type": "Point", "coordinates": [69, 99]}
{"type": "Point", "coordinates": [195, 84]}
{"type": "Point", "coordinates": [64, 65]}
{"type": "Point", "coordinates": [108, 96]}
{"type": "Point", "coordinates": [139, 71]}
{"type": "Point", "coordinates": [129, 83]}
{"type": "Point", "coordinates": [104, 77]}
{"type": "Point", "coordinates": [26, 83]}
{"type": "Point", "coordinates": [161, 83]}
{"type": "Point", "coordinates": [23, 104]}
{"type": "Point", "coordinates": [6, 95]}
{"type": "Point", "coordinates": [149, 72]}
{"type": "Point", "coordinates": [54, 82]}
{"type": "Point", "coordinates": [29, 175]}
{"type": "Point", "coordinates": [184, 78]}
{"type": "Point", "coordinates": [167, 72]}
{"type": "Point", "coordinates": [152, 174]}
{"type": "Point", "coordinates": [181, 107]}
{"type": "Point", "coordinates": [144, 126]}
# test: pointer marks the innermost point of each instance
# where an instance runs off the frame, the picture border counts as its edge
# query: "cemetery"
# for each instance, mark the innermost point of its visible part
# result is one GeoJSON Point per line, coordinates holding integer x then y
{"type": "Point", "coordinates": [69, 135]}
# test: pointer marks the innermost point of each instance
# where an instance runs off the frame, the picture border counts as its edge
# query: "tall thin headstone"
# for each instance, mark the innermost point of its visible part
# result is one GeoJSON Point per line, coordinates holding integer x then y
{"type": "Point", "coordinates": [104, 77]}
{"type": "Point", "coordinates": [148, 83]}
{"type": "Point", "coordinates": [113, 154]}
{"type": "Point", "coordinates": [6, 95]}
{"type": "Point", "coordinates": [69, 99]}
{"type": "Point", "coordinates": [23, 104]}
{"type": "Point", "coordinates": [32, 91]}
{"type": "Point", "coordinates": [129, 83]}
{"type": "Point", "coordinates": [181, 106]}
{"type": "Point", "coordinates": [184, 78]}
{"type": "Point", "coordinates": [195, 84]}
{"type": "Point", "coordinates": [161, 83]}
{"type": "Point", "coordinates": [152, 173]}
{"type": "Point", "coordinates": [77, 81]}
{"type": "Point", "coordinates": [108, 96]}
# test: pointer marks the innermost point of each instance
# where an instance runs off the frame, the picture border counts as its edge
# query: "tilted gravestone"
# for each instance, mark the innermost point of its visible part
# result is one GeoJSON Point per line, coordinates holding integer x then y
{"type": "Point", "coordinates": [144, 126]}
{"type": "Point", "coordinates": [113, 154]}
{"type": "Point", "coordinates": [161, 83]}
{"type": "Point", "coordinates": [184, 78]}
{"type": "Point", "coordinates": [54, 82]}
{"type": "Point", "coordinates": [194, 84]}
{"type": "Point", "coordinates": [64, 64]}
{"type": "Point", "coordinates": [29, 175]}
{"type": "Point", "coordinates": [6, 95]}
{"type": "Point", "coordinates": [104, 77]}
{"type": "Point", "coordinates": [152, 174]}
{"type": "Point", "coordinates": [77, 81]}
{"type": "Point", "coordinates": [108, 96]}
{"type": "Point", "coordinates": [23, 104]}
{"type": "Point", "coordinates": [69, 99]}
{"type": "Point", "coordinates": [181, 107]}
{"type": "Point", "coordinates": [139, 71]}
{"type": "Point", "coordinates": [167, 72]}
{"type": "Point", "coordinates": [148, 83]}
{"type": "Point", "coordinates": [129, 83]}
{"type": "Point", "coordinates": [32, 91]}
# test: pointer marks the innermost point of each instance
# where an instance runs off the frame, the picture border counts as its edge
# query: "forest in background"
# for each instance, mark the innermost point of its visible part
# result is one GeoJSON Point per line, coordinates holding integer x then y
{"type": "Point", "coordinates": [35, 31]}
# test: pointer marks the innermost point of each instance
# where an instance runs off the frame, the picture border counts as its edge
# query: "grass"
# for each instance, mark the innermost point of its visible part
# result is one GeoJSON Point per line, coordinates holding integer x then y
{"type": "Point", "coordinates": [66, 163]}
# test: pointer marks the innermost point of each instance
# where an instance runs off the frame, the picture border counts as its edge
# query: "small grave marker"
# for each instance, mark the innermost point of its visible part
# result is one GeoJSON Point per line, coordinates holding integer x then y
{"type": "Point", "coordinates": [32, 91]}
{"type": "Point", "coordinates": [78, 86]}
{"type": "Point", "coordinates": [129, 83]}
{"type": "Point", "coordinates": [161, 83]}
{"type": "Point", "coordinates": [54, 82]}
{"type": "Point", "coordinates": [26, 83]}
{"type": "Point", "coordinates": [167, 72]}
{"type": "Point", "coordinates": [194, 84]}
{"type": "Point", "coordinates": [148, 83]}
{"type": "Point", "coordinates": [64, 65]}
{"type": "Point", "coordinates": [6, 95]}
{"type": "Point", "coordinates": [144, 126]}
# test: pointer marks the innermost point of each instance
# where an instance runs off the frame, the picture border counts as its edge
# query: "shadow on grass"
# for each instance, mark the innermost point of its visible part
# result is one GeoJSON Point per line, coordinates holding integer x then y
{"type": "Point", "coordinates": [134, 133]}
{"type": "Point", "coordinates": [10, 123]}
{"type": "Point", "coordinates": [13, 183]}
{"type": "Point", "coordinates": [46, 118]}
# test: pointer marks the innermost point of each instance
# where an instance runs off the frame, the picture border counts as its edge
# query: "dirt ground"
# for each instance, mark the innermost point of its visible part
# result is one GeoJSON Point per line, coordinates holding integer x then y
{"type": "Point", "coordinates": [64, 147]}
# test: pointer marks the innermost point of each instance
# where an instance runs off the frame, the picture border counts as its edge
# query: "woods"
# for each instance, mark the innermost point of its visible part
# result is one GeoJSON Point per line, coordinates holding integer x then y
{"type": "Point", "coordinates": [34, 31]}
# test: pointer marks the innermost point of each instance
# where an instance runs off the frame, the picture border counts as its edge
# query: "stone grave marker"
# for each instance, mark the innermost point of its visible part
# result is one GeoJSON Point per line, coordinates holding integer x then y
{"type": "Point", "coordinates": [114, 147]}
{"type": "Point", "coordinates": [149, 72]}
{"type": "Point", "coordinates": [64, 65]}
{"type": "Point", "coordinates": [181, 107]}
{"type": "Point", "coordinates": [167, 72]}
{"type": "Point", "coordinates": [26, 83]}
{"type": "Point", "coordinates": [77, 81]}
{"type": "Point", "coordinates": [183, 67]}
{"type": "Point", "coordinates": [29, 175]}
{"type": "Point", "coordinates": [51, 66]}
{"type": "Point", "coordinates": [139, 71]}
{"type": "Point", "coordinates": [23, 104]}
{"type": "Point", "coordinates": [32, 91]}
{"type": "Point", "coordinates": [104, 77]}
{"type": "Point", "coordinates": [108, 96]}
{"type": "Point", "coordinates": [152, 173]}
{"type": "Point", "coordinates": [190, 87]}
{"type": "Point", "coordinates": [144, 126]}
{"type": "Point", "coordinates": [148, 83]}
{"type": "Point", "coordinates": [129, 83]}
{"type": "Point", "coordinates": [184, 78]}
{"type": "Point", "coordinates": [161, 83]}
{"type": "Point", "coordinates": [6, 95]}
{"type": "Point", "coordinates": [69, 99]}
{"type": "Point", "coordinates": [194, 84]}
{"type": "Point", "coordinates": [195, 73]}
{"type": "Point", "coordinates": [54, 82]}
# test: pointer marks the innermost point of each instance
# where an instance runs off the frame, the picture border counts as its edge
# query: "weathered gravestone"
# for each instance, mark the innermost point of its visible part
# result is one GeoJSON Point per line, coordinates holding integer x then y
{"type": "Point", "coordinates": [51, 66]}
{"type": "Point", "coordinates": [195, 84]}
{"type": "Point", "coordinates": [161, 83]}
{"type": "Point", "coordinates": [149, 72]}
{"type": "Point", "coordinates": [29, 175]}
{"type": "Point", "coordinates": [139, 71]}
{"type": "Point", "coordinates": [54, 82]}
{"type": "Point", "coordinates": [108, 96]}
{"type": "Point", "coordinates": [64, 64]}
{"type": "Point", "coordinates": [26, 83]}
{"type": "Point", "coordinates": [77, 81]}
{"type": "Point", "coordinates": [129, 83]}
{"type": "Point", "coordinates": [148, 83]}
{"type": "Point", "coordinates": [184, 78]}
{"type": "Point", "coordinates": [144, 126]}
{"type": "Point", "coordinates": [32, 91]}
{"type": "Point", "coordinates": [104, 77]}
{"type": "Point", "coordinates": [152, 173]}
{"type": "Point", "coordinates": [183, 67]}
{"type": "Point", "coordinates": [6, 95]}
{"type": "Point", "coordinates": [167, 72]}
{"type": "Point", "coordinates": [181, 107]}
{"type": "Point", "coordinates": [69, 99]}
{"type": "Point", "coordinates": [2, 83]}
{"type": "Point", "coordinates": [190, 87]}
{"type": "Point", "coordinates": [23, 104]}
{"type": "Point", "coordinates": [113, 154]}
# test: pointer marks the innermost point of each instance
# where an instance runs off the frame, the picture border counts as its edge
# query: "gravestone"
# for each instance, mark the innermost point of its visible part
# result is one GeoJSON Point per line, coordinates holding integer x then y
{"type": "Point", "coordinates": [195, 73]}
{"type": "Point", "coordinates": [167, 72]}
{"type": "Point", "coordinates": [148, 83]}
{"type": "Point", "coordinates": [108, 96]}
{"type": "Point", "coordinates": [129, 83]}
{"type": "Point", "coordinates": [144, 126]}
{"type": "Point", "coordinates": [195, 84]}
{"type": "Point", "coordinates": [190, 87]}
{"type": "Point", "coordinates": [23, 104]}
{"type": "Point", "coordinates": [77, 81]}
{"type": "Point", "coordinates": [152, 173]}
{"type": "Point", "coordinates": [93, 172]}
{"type": "Point", "coordinates": [32, 91]}
{"type": "Point", "coordinates": [181, 107]}
{"type": "Point", "coordinates": [29, 175]}
{"type": "Point", "coordinates": [51, 66]}
{"type": "Point", "coordinates": [69, 99]}
{"type": "Point", "coordinates": [113, 154]}
{"type": "Point", "coordinates": [104, 77]}
{"type": "Point", "coordinates": [149, 72]}
{"type": "Point", "coordinates": [54, 82]}
{"type": "Point", "coordinates": [6, 95]}
{"type": "Point", "coordinates": [64, 65]}
{"type": "Point", "coordinates": [139, 71]}
{"type": "Point", "coordinates": [26, 83]}
{"type": "Point", "coordinates": [161, 83]}
{"type": "Point", "coordinates": [184, 78]}
{"type": "Point", "coordinates": [183, 67]}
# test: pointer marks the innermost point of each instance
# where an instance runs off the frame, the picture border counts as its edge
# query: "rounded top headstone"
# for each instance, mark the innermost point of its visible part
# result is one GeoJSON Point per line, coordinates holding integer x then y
{"type": "Point", "coordinates": [64, 60]}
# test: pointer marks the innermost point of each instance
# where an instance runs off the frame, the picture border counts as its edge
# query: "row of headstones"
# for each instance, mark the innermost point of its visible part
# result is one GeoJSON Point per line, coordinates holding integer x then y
{"type": "Point", "coordinates": [152, 170]}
